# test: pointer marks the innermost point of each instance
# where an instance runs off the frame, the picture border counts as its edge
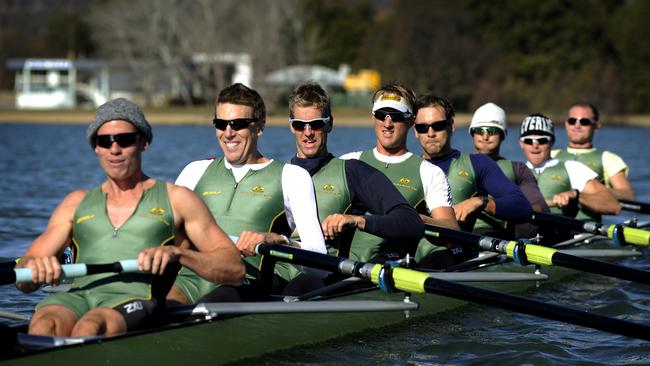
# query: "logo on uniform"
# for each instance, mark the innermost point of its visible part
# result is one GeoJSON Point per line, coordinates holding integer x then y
{"type": "Point", "coordinates": [157, 211]}
{"type": "Point", "coordinates": [258, 189]}
{"type": "Point", "coordinates": [329, 187]}
{"type": "Point", "coordinates": [556, 178]}
{"type": "Point", "coordinates": [211, 193]}
{"type": "Point", "coordinates": [463, 173]}
{"type": "Point", "coordinates": [404, 181]}
{"type": "Point", "coordinates": [84, 218]}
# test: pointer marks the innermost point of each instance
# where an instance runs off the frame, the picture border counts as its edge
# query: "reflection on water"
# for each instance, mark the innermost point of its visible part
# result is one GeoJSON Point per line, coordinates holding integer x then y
{"type": "Point", "coordinates": [40, 164]}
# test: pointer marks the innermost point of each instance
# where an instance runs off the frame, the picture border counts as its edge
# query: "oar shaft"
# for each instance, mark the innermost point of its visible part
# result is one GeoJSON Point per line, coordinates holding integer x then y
{"type": "Point", "coordinates": [419, 282]}
{"type": "Point", "coordinates": [635, 206]}
{"type": "Point", "coordinates": [537, 308]}
{"type": "Point", "coordinates": [600, 267]}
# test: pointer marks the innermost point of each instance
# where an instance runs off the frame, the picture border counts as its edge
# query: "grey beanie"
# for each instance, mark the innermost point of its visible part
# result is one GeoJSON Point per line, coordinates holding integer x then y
{"type": "Point", "coordinates": [119, 109]}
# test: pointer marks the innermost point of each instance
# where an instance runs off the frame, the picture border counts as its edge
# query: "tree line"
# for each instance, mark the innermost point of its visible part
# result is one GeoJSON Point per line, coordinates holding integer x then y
{"type": "Point", "coordinates": [526, 55]}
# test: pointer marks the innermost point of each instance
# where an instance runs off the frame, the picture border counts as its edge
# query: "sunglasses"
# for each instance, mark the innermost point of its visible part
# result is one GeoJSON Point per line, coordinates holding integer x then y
{"type": "Point", "coordinates": [583, 121]}
{"type": "Point", "coordinates": [315, 124]}
{"type": "Point", "coordinates": [437, 126]}
{"type": "Point", "coordinates": [236, 124]}
{"type": "Point", "coordinates": [394, 116]}
{"type": "Point", "coordinates": [543, 140]}
{"type": "Point", "coordinates": [122, 139]}
{"type": "Point", "coordinates": [491, 131]}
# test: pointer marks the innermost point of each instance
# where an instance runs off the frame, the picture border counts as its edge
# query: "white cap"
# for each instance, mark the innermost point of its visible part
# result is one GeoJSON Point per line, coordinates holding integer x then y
{"type": "Point", "coordinates": [489, 115]}
{"type": "Point", "coordinates": [392, 101]}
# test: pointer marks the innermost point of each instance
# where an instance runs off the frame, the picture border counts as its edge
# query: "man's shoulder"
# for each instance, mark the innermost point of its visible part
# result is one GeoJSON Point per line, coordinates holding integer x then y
{"type": "Point", "coordinates": [355, 155]}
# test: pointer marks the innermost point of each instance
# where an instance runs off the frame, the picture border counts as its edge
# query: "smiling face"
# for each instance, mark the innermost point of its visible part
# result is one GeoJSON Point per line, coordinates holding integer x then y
{"type": "Point", "coordinates": [434, 143]}
{"type": "Point", "coordinates": [239, 147]}
{"type": "Point", "coordinates": [120, 163]}
{"type": "Point", "coordinates": [484, 143]}
{"type": "Point", "coordinates": [310, 143]}
{"type": "Point", "coordinates": [391, 135]}
{"type": "Point", "coordinates": [580, 136]}
{"type": "Point", "coordinates": [536, 153]}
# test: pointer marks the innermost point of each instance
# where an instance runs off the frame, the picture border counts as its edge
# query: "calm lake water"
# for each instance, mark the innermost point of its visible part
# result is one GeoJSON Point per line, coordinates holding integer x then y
{"type": "Point", "coordinates": [40, 164]}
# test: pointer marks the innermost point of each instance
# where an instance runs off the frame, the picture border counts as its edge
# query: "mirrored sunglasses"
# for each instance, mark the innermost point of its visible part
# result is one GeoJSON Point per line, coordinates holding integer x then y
{"type": "Point", "coordinates": [122, 139]}
{"type": "Point", "coordinates": [583, 121]}
{"type": "Point", "coordinates": [542, 140]}
{"type": "Point", "coordinates": [315, 124]}
{"type": "Point", "coordinates": [236, 124]}
{"type": "Point", "coordinates": [394, 116]}
{"type": "Point", "coordinates": [491, 131]}
{"type": "Point", "coordinates": [437, 126]}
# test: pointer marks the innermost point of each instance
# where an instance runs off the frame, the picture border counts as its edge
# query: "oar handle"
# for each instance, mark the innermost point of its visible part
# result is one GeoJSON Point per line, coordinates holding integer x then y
{"type": "Point", "coordinates": [635, 206]}
{"type": "Point", "coordinates": [82, 269]}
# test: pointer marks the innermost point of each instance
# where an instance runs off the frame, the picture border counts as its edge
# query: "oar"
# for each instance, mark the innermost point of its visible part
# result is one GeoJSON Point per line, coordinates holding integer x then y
{"type": "Point", "coordinates": [7, 263]}
{"type": "Point", "coordinates": [419, 282]}
{"type": "Point", "coordinates": [618, 233]}
{"type": "Point", "coordinates": [635, 206]}
{"type": "Point", "coordinates": [8, 276]}
{"type": "Point", "coordinates": [525, 253]}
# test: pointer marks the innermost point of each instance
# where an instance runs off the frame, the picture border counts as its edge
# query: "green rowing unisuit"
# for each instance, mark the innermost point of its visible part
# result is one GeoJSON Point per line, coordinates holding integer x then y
{"type": "Point", "coordinates": [406, 178]}
{"type": "Point", "coordinates": [97, 241]}
{"type": "Point", "coordinates": [332, 195]}
{"type": "Point", "coordinates": [593, 160]}
{"type": "Point", "coordinates": [509, 172]}
{"type": "Point", "coordinates": [256, 203]}
{"type": "Point", "coordinates": [551, 181]}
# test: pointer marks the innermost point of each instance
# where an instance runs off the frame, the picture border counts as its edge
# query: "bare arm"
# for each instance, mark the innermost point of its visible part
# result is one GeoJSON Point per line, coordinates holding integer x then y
{"type": "Point", "coordinates": [442, 216]}
{"type": "Point", "coordinates": [598, 198]}
{"type": "Point", "coordinates": [621, 187]}
{"type": "Point", "coordinates": [217, 259]}
{"type": "Point", "coordinates": [41, 256]}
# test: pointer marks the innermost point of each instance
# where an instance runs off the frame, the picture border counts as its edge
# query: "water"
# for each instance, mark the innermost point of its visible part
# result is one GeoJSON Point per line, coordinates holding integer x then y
{"type": "Point", "coordinates": [40, 164]}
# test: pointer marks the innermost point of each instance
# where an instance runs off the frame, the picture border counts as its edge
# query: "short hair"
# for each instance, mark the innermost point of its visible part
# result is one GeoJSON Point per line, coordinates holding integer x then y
{"type": "Point", "coordinates": [593, 108]}
{"type": "Point", "coordinates": [241, 94]}
{"type": "Point", "coordinates": [430, 100]}
{"type": "Point", "coordinates": [310, 94]}
{"type": "Point", "coordinates": [397, 89]}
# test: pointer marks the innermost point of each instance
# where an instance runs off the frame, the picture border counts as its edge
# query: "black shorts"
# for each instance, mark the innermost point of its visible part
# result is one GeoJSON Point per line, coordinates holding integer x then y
{"type": "Point", "coordinates": [136, 312]}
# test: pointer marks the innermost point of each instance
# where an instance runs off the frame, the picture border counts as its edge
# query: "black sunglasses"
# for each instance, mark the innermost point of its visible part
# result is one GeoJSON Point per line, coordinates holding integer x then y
{"type": "Point", "coordinates": [583, 121]}
{"type": "Point", "coordinates": [122, 139]}
{"type": "Point", "coordinates": [542, 140]}
{"type": "Point", "coordinates": [437, 126]}
{"type": "Point", "coordinates": [236, 124]}
{"type": "Point", "coordinates": [394, 116]}
{"type": "Point", "coordinates": [491, 131]}
{"type": "Point", "coordinates": [315, 124]}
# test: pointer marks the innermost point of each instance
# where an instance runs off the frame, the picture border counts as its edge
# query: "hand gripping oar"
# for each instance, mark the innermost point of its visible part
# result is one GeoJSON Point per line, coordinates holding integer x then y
{"type": "Point", "coordinates": [635, 206]}
{"type": "Point", "coordinates": [8, 276]}
{"type": "Point", "coordinates": [620, 234]}
{"type": "Point", "coordinates": [525, 253]}
{"type": "Point", "coordinates": [408, 280]}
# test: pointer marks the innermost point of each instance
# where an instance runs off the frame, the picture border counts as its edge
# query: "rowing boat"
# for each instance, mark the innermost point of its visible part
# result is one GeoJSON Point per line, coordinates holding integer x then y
{"type": "Point", "coordinates": [221, 333]}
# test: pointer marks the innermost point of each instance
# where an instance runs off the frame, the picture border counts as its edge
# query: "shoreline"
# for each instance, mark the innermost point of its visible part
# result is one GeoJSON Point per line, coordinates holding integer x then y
{"type": "Point", "coordinates": [198, 116]}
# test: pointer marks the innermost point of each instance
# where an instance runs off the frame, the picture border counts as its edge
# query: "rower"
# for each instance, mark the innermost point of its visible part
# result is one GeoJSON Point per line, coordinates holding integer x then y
{"type": "Point", "coordinates": [566, 186]}
{"type": "Point", "coordinates": [581, 126]}
{"type": "Point", "coordinates": [129, 215]}
{"type": "Point", "coordinates": [423, 185]}
{"type": "Point", "coordinates": [478, 186]}
{"type": "Point", "coordinates": [251, 196]}
{"type": "Point", "coordinates": [350, 193]}
{"type": "Point", "coordinates": [488, 130]}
